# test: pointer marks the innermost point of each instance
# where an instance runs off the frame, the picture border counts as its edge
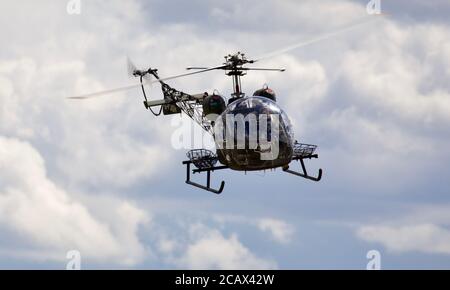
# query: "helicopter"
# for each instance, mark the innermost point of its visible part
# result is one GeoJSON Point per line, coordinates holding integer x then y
{"type": "Point", "coordinates": [251, 133]}
{"type": "Point", "coordinates": [212, 112]}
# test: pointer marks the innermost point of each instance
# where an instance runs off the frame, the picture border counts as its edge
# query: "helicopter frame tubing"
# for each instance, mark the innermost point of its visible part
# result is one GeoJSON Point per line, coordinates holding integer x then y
{"type": "Point", "coordinates": [176, 101]}
{"type": "Point", "coordinates": [304, 174]}
{"type": "Point", "coordinates": [301, 152]}
{"type": "Point", "coordinates": [208, 171]}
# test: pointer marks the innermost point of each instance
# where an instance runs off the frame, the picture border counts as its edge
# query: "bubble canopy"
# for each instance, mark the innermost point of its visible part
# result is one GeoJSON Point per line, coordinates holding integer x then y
{"type": "Point", "coordinates": [250, 157]}
{"type": "Point", "coordinates": [260, 105]}
{"type": "Point", "coordinates": [255, 102]}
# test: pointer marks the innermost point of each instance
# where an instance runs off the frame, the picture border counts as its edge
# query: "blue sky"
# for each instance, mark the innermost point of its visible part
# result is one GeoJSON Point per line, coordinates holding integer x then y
{"type": "Point", "coordinates": [102, 176]}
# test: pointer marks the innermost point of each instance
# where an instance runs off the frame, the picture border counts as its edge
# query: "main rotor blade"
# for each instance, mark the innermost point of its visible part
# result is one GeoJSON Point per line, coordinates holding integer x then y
{"type": "Point", "coordinates": [106, 92]}
{"type": "Point", "coordinates": [265, 69]}
{"type": "Point", "coordinates": [195, 67]}
{"type": "Point", "coordinates": [313, 40]}
{"type": "Point", "coordinates": [194, 73]}
{"type": "Point", "coordinates": [126, 88]}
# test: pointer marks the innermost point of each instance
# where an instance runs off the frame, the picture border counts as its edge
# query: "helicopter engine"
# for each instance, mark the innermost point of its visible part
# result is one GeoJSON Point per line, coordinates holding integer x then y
{"type": "Point", "coordinates": [267, 93]}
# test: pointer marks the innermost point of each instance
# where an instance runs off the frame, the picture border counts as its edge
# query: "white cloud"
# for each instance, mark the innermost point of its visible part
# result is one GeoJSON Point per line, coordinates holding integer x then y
{"type": "Point", "coordinates": [281, 231]}
{"type": "Point", "coordinates": [89, 143]}
{"type": "Point", "coordinates": [423, 229]}
{"type": "Point", "coordinates": [51, 222]}
{"type": "Point", "coordinates": [286, 15]}
{"type": "Point", "coordinates": [167, 246]}
{"type": "Point", "coordinates": [425, 238]}
{"type": "Point", "coordinates": [210, 249]}
{"type": "Point", "coordinates": [398, 76]}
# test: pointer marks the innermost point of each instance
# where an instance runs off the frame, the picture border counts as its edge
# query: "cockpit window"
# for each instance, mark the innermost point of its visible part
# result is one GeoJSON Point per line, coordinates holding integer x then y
{"type": "Point", "coordinates": [260, 105]}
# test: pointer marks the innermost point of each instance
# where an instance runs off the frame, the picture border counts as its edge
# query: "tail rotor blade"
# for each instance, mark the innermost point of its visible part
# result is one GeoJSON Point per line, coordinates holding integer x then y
{"type": "Point", "coordinates": [131, 68]}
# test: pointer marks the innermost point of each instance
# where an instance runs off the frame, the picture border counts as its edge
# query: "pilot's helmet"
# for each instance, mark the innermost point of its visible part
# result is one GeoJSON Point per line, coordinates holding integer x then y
{"type": "Point", "coordinates": [266, 92]}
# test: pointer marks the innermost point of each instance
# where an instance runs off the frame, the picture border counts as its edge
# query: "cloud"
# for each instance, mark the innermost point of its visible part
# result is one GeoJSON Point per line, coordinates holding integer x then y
{"type": "Point", "coordinates": [84, 142]}
{"type": "Point", "coordinates": [210, 249]}
{"type": "Point", "coordinates": [424, 238]}
{"type": "Point", "coordinates": [281, 231]}
{"type": "Point", "coordinates": [424, 229]}
{"type": "Point", "coordinates": [286, 15]}
{"type": "Point", "coordinates": [50, 222]}
{"type": "Point", "coordinates": [402, 77]}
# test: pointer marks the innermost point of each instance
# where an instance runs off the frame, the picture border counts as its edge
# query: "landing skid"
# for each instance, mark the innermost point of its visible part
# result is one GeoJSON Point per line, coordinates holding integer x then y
{"type": "Point", "coordinates": [205, 161]}
{"type": "Point", "coordinates": [304, 174]}
{"type": "Point", "coordinates": [208, 177]}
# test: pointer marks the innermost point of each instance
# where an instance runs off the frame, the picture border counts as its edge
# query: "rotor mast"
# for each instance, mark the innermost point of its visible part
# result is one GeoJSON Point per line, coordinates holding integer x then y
{"type": "Point", "coordinates": [234, 69]}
